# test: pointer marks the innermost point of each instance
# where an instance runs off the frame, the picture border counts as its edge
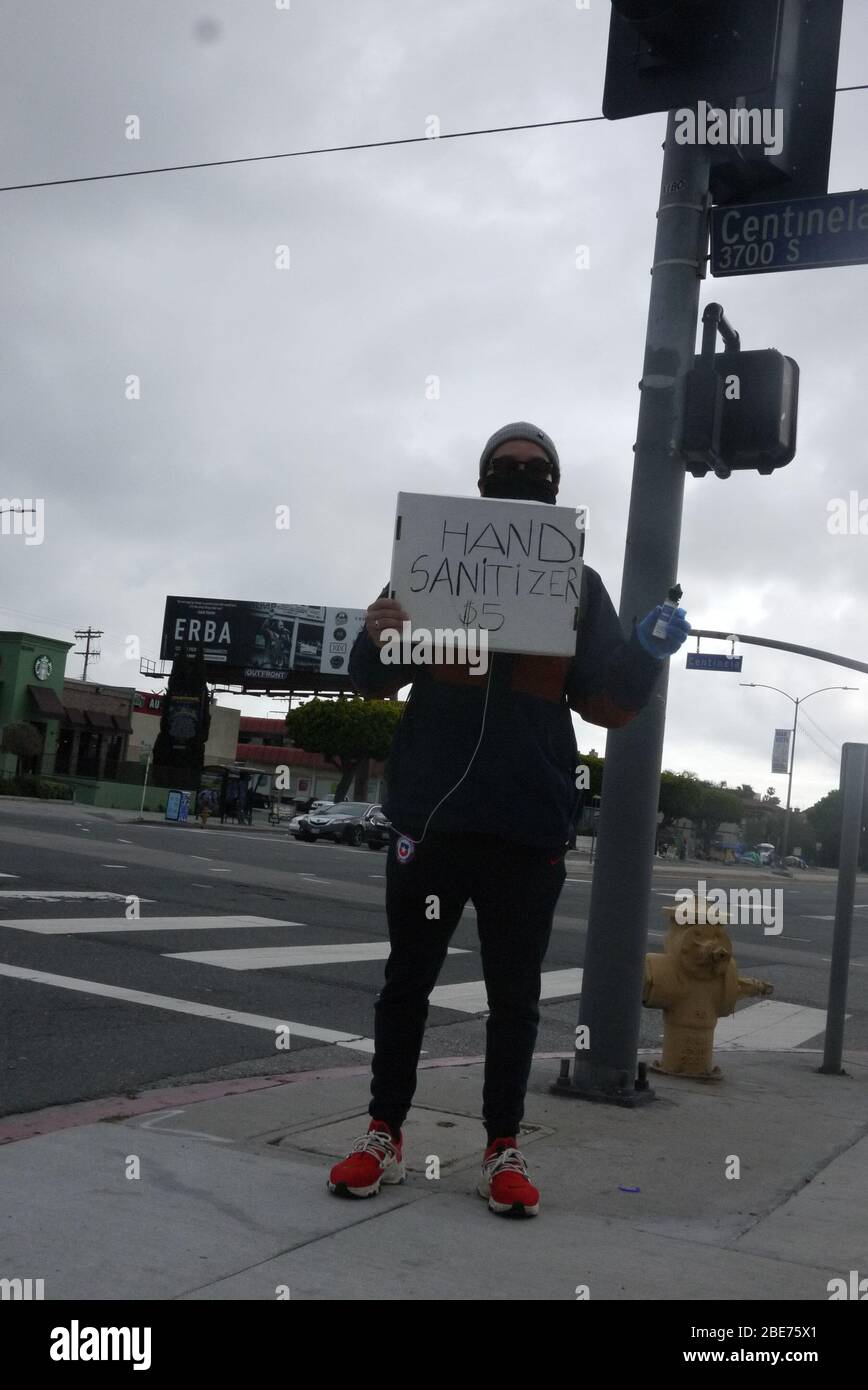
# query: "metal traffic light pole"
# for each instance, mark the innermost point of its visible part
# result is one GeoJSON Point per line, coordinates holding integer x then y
{"type": "Point", "coordinates": [854, 785]}
{"type": "Point", "coordinates": [616, 941]}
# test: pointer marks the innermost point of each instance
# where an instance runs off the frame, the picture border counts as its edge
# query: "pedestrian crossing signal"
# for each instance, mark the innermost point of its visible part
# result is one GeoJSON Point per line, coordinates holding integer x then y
{"type": "Point", "coordinates": [741, 412]}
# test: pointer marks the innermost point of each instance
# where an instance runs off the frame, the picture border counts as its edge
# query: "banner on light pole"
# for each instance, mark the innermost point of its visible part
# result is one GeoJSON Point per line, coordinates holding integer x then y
{"type": "Point", "coordinates": [781, 750]}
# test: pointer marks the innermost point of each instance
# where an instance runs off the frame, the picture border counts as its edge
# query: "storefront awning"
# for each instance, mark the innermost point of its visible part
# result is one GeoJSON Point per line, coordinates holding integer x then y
{"type": "Point", "coordinates": [98, 719]}
{"type": "Point", "coordinates": [75, 716]}
{"type": "Point", "coordinates": [46, 701]}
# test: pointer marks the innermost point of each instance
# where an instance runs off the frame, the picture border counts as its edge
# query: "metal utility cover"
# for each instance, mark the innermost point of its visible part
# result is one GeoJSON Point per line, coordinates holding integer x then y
{"type": "Point", "coordinates": [451, 1136]}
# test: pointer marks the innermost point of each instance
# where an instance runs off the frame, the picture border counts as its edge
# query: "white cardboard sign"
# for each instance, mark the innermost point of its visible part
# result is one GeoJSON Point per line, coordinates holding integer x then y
{"type": "Point", "coordinates": [511, 568]}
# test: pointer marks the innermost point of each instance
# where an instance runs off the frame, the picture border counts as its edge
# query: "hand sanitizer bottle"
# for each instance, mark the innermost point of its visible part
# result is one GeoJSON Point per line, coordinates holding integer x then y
{"type": "Point", "coordinates": [673, 598]}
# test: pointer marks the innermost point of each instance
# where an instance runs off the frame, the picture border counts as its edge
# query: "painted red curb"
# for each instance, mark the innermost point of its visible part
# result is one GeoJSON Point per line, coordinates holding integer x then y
{"type": "Point", "coordinates": [88, 1112]}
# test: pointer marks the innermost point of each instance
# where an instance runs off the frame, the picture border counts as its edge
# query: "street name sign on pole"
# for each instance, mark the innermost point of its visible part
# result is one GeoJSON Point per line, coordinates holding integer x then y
{"type": "Point", "coordinates": [801, 234]}
{"type": "Point", "coordinates": [713, 661]}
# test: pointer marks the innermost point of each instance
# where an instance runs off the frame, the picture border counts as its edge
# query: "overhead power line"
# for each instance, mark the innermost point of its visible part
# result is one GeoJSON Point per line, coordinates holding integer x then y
{"type": "Point", "coordinates": [826, 754]}
{"type": "Point", "coordinates": [300, 154]}
{"type": "Point", "coordinates": [324, 149]}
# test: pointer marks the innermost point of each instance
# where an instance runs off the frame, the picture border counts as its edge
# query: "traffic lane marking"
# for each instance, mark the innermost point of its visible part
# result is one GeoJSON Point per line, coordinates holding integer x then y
{"type": "Point", "coordinates": [282, 957]}
{"type": "Point", "coordinates": [84, 926]}
{"type": "Point", "coordinates": [67, 894]}
{"type": "Point", "coordinates": [769, 1026]}
{"type": "Point", "coordinates": [354, 1041]}
{"type": "Point", "coordinates": [472, 997]}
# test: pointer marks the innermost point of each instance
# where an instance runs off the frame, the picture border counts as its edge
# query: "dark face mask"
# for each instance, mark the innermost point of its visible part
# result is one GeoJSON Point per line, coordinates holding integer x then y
{"type": "Point", "coordinates": [518, 487]}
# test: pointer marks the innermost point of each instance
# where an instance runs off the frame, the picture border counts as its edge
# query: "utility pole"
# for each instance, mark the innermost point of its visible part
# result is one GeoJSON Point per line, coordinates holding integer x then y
{"type": "Point", "coordinates": [87, 635]}
{"type": "Point", "coordinates": [617, 923]}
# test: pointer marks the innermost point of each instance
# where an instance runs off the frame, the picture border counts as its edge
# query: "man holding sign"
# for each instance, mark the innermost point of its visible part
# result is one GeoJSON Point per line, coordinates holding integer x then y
{"type": "Point", "coordinates": [481, 794]}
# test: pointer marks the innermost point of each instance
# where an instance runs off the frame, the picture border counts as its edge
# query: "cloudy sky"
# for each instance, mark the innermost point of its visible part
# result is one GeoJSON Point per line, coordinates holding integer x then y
{"type": "Point", "coordinates": [306, 387]}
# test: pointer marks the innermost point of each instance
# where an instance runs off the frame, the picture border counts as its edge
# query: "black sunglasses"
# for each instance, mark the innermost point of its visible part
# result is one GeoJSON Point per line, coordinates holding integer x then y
{"type": "Point", "coordinates": [505, 465]}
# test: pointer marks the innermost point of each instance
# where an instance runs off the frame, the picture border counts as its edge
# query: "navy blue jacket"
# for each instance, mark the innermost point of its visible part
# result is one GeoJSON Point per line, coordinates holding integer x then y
{"type": "Point", "coordinates": [521, 783]}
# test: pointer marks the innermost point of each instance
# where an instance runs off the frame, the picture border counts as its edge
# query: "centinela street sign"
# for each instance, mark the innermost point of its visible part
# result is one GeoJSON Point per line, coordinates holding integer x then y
{"type": "Point", "coordinates": [802, 234]}
{"type": "Point", "coordinates": [713, 661]}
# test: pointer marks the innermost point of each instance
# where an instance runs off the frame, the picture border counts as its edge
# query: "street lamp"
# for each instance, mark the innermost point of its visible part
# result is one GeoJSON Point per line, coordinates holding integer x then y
{"type": "Point", "coordinates": [753, 685]}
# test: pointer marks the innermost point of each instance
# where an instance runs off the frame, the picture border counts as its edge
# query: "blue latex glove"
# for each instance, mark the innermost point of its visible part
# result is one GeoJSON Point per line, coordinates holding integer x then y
{"type": "Point", "coordinates": [677, 632]}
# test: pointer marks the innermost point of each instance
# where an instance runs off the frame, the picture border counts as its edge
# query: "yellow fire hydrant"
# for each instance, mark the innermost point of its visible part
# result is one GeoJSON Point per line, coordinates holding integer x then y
{"type": "Point", "coordinates": [695, 981]}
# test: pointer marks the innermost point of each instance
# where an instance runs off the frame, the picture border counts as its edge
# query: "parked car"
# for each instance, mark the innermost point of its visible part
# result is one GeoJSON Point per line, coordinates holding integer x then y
{"type": "Point", "coordinates": [376, 829]}
{"type": "Point", "coordinates": [794, 861]}
{"type": "Point", "coordinates": [344, 823]}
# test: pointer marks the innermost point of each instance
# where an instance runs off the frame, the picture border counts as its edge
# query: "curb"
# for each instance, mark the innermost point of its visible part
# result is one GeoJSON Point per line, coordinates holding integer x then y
{"type": "Point", "coordinates": [121, 1107]}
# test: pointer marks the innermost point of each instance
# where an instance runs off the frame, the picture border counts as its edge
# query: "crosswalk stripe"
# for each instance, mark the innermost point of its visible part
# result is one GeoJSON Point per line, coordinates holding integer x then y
{"type": "Point", "coordinates": [354, 1041]}
{"type": "Point", "coordinates": [71, 926]}
{"type": "Point", "coordinates": [10, 875]}
{"type": "Point", "coordinates": [279, 957]}
{"type": "Point", "coordinates": [56, 895]}
{"type": "Point", "coordinates": [769, 1026]}
{"type": "Point", "coordinates": [472, 998]}
{"type": "Point", "coordinates": [764, 1027]}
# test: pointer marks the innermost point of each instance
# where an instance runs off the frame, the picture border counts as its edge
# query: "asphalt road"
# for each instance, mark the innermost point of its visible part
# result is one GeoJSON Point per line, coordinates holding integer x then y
{"type": "Point", "coordinates": [89, 1012]}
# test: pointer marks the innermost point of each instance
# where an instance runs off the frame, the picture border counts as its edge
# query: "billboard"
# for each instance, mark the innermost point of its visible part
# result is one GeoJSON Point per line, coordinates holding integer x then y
{"type": "Point", "coordinates": [264, 645]}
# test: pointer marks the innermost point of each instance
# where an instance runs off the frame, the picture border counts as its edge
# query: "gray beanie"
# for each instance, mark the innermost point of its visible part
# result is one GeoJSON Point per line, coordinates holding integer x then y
{"type": "Point", "coordinates": [520, 429]}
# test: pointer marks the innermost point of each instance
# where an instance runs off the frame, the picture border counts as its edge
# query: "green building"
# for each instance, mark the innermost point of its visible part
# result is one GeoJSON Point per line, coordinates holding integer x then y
{"type": "Point", "coordinates": [31, 692]}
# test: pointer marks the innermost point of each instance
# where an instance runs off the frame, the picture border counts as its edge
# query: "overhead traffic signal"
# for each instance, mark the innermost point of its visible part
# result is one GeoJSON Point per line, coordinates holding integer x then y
{"type": "Point", "coordinates": [775, 58]}
{"type": "Point", "coordinates": [665, 54]}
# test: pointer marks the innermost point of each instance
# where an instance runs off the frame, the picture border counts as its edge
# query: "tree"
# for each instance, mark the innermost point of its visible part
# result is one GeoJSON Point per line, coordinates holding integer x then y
{"type": "Point", "coordinates": [771, 797]}
{"type": "Point", "coordinates": [345, 731]}
{"type": "Point", "coordinates": [825, 821]}
{"type": "Point", "coordinates": [680, 794]}
{"type": "Point", "coordinates": [22, 739]}
{"type": "Point", "coordinates": [714, 806]}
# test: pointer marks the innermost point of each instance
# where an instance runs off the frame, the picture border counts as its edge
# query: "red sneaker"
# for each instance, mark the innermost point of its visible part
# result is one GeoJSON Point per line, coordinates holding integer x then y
{"type": "Point", "coordinates": [505, 1182]}
{"type": "Point", "coordinates": [376, 1157]}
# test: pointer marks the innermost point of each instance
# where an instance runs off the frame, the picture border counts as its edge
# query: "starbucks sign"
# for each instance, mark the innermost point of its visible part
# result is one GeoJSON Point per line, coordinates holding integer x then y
{"type": "Point", "coordinates": [42, 668]}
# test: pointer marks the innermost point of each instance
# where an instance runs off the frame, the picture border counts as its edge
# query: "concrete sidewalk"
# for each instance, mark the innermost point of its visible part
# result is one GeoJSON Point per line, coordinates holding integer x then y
{"type": "Point", "coordinates": [231, 1201]}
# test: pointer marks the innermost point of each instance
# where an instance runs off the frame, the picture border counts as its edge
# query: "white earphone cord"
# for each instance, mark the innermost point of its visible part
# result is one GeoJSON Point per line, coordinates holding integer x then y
{"type": "Point", "coordinates": [466, 770]}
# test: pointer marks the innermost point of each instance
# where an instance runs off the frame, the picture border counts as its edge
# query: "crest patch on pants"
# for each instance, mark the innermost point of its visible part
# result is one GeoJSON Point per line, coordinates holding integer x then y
{"type": "Point", "coordinates": [405, 848]}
